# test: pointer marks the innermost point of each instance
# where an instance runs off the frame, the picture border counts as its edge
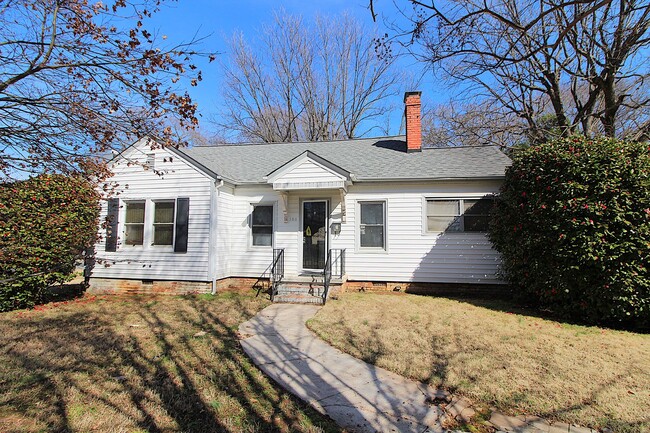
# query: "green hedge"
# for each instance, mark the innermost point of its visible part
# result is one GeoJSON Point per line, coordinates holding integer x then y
{"type": "Point", "coordinates": [573, 226]}
{"type": "Point", "coordinates": [45, 223]}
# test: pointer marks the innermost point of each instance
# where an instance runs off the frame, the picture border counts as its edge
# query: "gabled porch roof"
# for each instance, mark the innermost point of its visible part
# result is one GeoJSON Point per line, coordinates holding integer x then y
{"type": "Point", "coordinates": [308, 171]}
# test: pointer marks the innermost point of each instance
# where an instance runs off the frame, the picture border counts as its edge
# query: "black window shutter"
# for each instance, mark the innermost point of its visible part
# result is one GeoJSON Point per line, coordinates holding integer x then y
{"type": "Point", "coordinates": [182, 217]}
{"type": "Point", "coordinates": [112, 224]}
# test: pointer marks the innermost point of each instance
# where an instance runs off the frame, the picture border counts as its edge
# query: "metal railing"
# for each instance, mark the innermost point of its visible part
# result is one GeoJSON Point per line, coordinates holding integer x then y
{"type": "Point", "coordinates": [277, 271]}
{"type": "Point", "coordinates": [334, 266]}
{"type": "Point", "coordinates": [272, 275]}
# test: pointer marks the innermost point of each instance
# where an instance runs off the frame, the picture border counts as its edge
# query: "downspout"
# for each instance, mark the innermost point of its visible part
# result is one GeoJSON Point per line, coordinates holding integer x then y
{"type": "Point", "coordinates": [213, 247]}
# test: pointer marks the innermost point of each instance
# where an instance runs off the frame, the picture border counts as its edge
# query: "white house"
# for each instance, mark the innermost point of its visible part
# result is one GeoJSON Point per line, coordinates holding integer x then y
{"type": "Point", "coordinates": [384, 210]}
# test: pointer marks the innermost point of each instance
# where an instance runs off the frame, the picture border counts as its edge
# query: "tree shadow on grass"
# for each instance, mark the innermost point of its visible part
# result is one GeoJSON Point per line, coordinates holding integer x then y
{"type": "Point", "coordinates": [372, 349]}
{"type": "Point", "coordinates": [514, 305]}
{"type": "Point", "coordinates": [158, 365]}
{"type": "Point", "coordinates": [450, 351]}
{"type": "Point", "coordinates": [500, 304]}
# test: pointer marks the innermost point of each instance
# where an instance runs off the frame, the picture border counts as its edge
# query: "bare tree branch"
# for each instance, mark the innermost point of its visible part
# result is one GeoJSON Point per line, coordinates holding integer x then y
{"type": "Point", "coordinates": [306, 82]}
{"type": "Point", "coordinates": [79, 79]}
{"type": "Point", "coordinates": [581, 60]}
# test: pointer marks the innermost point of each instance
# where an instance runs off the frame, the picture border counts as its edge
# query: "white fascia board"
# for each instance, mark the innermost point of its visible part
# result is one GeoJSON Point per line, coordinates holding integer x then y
{"type": "Point", "coordinates": [289, 186]}
{"type": "Point", "coordinates": [425, 179]}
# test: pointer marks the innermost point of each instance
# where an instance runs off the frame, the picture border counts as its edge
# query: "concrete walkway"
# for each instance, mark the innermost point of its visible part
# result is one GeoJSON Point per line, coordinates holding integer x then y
{"type": "Point", "coordinates": [358, 396]}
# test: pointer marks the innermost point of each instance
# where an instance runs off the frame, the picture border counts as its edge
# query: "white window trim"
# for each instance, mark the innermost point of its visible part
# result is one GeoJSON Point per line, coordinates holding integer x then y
{"type": "Point", "coordinates": [147, 239]}
{"type": "Point", "coordinates": [122, 224]}
{"type": "Point", "coordinates": [252, 247]}
{"type": "Point", "coordinates": [152, 224]}
{"type": "Point", "coordinates": [357, 227]}
{"type": "Point", "coordinates": [425, 225]}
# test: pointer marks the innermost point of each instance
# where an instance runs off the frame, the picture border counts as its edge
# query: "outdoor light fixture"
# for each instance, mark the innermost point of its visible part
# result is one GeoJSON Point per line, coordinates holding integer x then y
{"type": "Point", "coordinates": [336, 228]}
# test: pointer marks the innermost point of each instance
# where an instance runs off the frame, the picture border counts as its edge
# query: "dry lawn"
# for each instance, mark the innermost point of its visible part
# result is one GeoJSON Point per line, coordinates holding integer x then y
{"type": "Point", "coordinates": [140, 364]}
{"type": "Point", "coordinates": [515, 362]}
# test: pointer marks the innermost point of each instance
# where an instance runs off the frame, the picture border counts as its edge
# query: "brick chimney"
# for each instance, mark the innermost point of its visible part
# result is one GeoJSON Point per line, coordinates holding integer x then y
{"type": "Point", "coordinates": [413, 121]}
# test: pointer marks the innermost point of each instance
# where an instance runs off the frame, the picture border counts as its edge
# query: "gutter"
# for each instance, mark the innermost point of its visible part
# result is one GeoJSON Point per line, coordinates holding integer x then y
{"type": "Point", "coordinates": [356, 179]}
{"type": "Point", "coordinates": [425, 179]}
{"type": "Point", "coordinates": [214, 234]}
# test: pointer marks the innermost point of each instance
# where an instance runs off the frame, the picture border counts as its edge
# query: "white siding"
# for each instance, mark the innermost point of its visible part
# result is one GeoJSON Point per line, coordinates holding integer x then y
{"type": "Point", "coordinates": [244, 259]}
{"type": "Point", "coordinates": [177, 179]}
{"type": "Point", "coordinates": [307, 170]}
{"type": "Point", "coordinates": [289, 235]}
{"type": "Point", "coordinates": [411, 253]}
{"type": "Point", "coordinates": [224, 222]}
{"type": "Point", "coordinates": [248, 261]}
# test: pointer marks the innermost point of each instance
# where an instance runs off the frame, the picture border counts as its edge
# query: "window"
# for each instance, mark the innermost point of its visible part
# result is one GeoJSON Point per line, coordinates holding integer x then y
{"type": "Point", "coordinates": [149, 223]}
{"type": "Point", "coordinates": [134, 223]}
{"type": "Point", "coordinates": [371, 225]}
{"type": "Point", "coordinates": [262, 226]}
{"type": "Point", "coordinates": [477, 214]}
{"type": "Point", "coordinates": [163, 223]}
{"type": "Point", "coordinates": [462, 215]}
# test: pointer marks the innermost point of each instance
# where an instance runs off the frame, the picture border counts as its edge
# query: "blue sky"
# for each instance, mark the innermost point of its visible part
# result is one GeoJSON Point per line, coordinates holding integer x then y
{"type": "Point", "coordinates": [217, 20]}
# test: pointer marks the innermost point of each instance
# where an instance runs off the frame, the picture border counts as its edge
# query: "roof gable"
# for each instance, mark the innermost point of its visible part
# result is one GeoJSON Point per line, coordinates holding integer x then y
{"type": "Point", "coordinates": [140, 153]}
{"type": "Point", "coordinates": [308, 171]}
{"type": "Point", "coordinates": [130, 152]}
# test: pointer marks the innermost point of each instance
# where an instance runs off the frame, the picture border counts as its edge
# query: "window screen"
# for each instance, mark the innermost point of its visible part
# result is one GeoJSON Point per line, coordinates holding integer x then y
{"type": "Point", "coordinates": [163, 223]}
{"type": "Point", "coordinates": [477, 214]}
{"type": "Point", "coordinates": [443, 216]}
{"type": "Point", "coordinates": [372, 225]}
{"type": "Point", "coordinates": [460, 215]}
{"type": "Point", "coordinates": [262, 226]}
{"type": "Point", "coordinates": [134, 223]}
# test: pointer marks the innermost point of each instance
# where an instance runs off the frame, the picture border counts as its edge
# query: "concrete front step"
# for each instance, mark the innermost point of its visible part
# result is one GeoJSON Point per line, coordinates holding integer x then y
{"type": "Point", "coordinates": [297, 298]}
{"type": "Point", "coordinates": [302, 292]}
{"type": "Point", "coordinates": [307, 279]}
{"type": "Point", "coordinates": [306, 290]}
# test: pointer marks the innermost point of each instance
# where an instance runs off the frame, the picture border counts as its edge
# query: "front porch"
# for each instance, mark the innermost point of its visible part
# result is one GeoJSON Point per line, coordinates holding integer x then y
{"type": "Point", "coordinates": [310, 287]}
{"type": "Point", "coordinates": [306, 262]}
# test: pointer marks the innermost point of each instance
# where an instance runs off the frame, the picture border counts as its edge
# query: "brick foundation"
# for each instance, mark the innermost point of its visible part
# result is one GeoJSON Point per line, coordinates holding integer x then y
{"type": "Point", "coordinates": [123, 286]}
{"type": "Point", "coordinates": [436, 289]}
{"type": "Point", "coordinates": [236, 283]}
{"type": "Point", "coordinates": [120, 286]}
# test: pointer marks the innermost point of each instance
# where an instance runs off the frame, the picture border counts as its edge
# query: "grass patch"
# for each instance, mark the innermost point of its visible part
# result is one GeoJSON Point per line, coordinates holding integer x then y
{"type": "Point", "coordinates": [521, 364]}
{"type": "Point", "coordinates": [140, 364]}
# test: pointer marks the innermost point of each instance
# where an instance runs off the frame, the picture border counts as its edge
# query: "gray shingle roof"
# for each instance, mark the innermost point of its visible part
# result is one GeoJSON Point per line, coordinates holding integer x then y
{"type": "Point", "coordinates": [368, 159]}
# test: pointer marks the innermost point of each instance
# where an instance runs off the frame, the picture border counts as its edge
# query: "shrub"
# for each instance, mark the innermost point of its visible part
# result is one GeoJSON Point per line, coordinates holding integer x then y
{"type": "Point", "coordinates": [573, 226]}
{"type": "Point", "coordinates": [45, 223]}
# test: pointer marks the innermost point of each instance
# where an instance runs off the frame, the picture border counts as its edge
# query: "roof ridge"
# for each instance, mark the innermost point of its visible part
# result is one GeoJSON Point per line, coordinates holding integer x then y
{"type": "Point", "coordinates": [300, 142]}
{"type": "Point", "coordinates": [458, 147]}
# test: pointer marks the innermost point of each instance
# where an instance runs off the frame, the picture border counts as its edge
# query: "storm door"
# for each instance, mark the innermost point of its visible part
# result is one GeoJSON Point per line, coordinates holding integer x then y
{"type": "Point", "coordinates": [314, 234]}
